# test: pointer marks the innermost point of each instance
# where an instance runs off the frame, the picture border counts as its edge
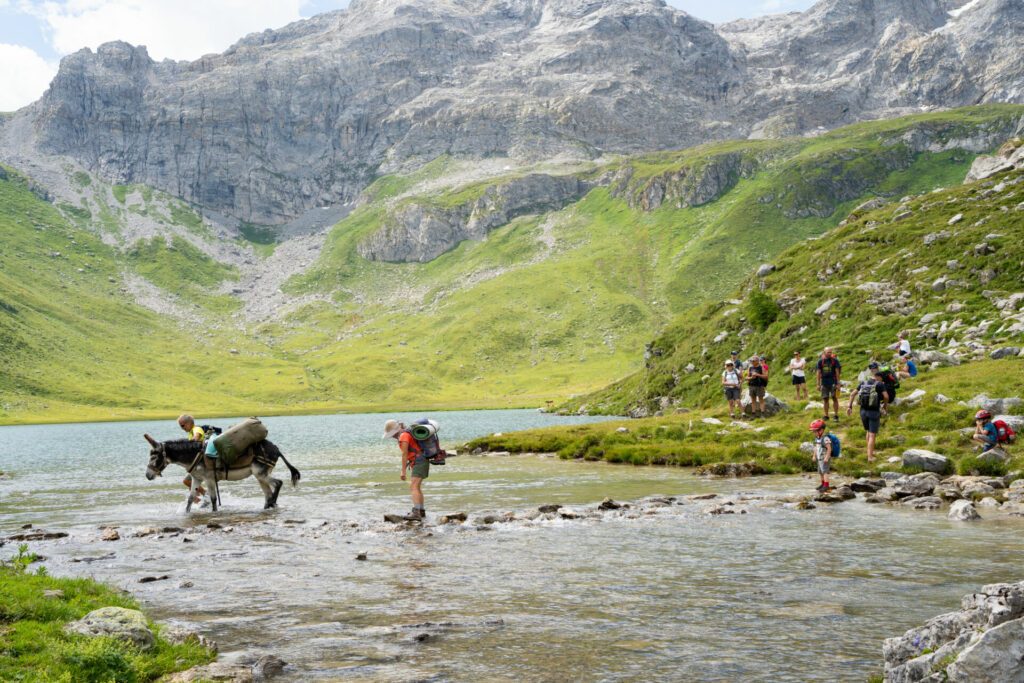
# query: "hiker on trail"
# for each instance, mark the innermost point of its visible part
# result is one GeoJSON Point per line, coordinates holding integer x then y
{"type": "Point", "coordinates": [195, 433]}
{"type": "Point", "coordinates": [829, 372]}
{"type": "Point", "coordinates": [985, 432]}
{"type": "Point", "coordinates": [731, 383]}
{"type": "Point", "coordinates": [889, 376]}
{"type": "Point", "coordinates": [824, 450]}
{"type": "Point", "coordinates": [873, 399]}
{"type": "Point", "coordinates": [415, 457]}
{"type": "Point", "coordinates": [797, 368]}
{"type": "Point", "coordinates": [737, 363]}
{"type": "Point", "coordinates": [757, 380]}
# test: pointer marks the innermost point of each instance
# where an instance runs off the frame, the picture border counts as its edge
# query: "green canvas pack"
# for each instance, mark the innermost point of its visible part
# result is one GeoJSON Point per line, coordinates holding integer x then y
{"type": "Point", "coordinates": [235, 441]}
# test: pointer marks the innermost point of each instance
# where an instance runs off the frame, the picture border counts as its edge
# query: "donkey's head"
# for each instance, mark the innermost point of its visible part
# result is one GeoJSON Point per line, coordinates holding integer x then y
{"type": "Point", "coordinates": [157, 458]}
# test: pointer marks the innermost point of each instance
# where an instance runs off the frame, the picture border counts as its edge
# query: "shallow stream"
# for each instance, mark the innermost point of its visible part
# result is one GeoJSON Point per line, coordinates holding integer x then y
{"type": "Point", "coordinates": [657, 592]}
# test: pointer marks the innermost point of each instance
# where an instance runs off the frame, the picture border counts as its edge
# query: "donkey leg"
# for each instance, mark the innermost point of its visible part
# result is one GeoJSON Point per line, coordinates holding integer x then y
{"type": "Point", "coordinates": [213, 490]}
{"type": "Point", "coordinates": [261, 477]}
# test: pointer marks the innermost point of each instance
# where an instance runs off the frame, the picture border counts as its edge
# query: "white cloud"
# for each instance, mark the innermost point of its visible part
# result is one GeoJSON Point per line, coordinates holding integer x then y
{"type": "Point", "coordinates": [175, 29]}
{"type": "Point", "coordinates": [24, 76]}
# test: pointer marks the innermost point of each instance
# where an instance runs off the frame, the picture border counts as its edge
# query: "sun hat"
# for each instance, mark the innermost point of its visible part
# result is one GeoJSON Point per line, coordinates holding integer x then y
{"type": "Point", "coordinates": [729, 362]}
{"type": "Point", "coordinates": [391, 427]}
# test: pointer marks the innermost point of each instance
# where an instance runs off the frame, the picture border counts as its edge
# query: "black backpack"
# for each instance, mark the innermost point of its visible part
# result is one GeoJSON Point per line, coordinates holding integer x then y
{"type": "Point", "coordinates": [868, 396]}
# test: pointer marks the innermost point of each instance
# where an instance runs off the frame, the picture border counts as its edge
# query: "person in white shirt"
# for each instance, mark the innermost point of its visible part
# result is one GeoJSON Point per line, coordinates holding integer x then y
{"type": "Point", "coordinates": [731, 383]}
{"type": "Point", "coordinates": [902, 347]}
{"type": "Point", "coordinates": [797, 370]}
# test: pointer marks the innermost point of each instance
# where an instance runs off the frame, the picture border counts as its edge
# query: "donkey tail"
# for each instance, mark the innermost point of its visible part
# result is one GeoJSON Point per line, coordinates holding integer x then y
{"type": "Point", "coordinates": [296, 475]}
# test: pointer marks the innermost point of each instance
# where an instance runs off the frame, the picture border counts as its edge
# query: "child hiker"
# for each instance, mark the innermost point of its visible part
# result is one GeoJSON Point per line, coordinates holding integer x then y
{"type": "Point", "coordinates": [822, 451]}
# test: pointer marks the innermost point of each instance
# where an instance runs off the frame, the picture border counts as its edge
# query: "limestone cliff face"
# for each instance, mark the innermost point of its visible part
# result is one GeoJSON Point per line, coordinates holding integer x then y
{"type": "Point", "coordinates": [306, 116]}
{"type": "Point", "coordinates": [421, 231]}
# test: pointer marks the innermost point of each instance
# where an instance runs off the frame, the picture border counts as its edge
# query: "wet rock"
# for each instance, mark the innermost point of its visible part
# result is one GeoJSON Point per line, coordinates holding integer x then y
{"type": "Point", "coordinates": [867, 485]}
{"type": "Point", "coordinates": [923, 503]}
{"type": "Point", "coordinates": [171, 530]}
{"type": "Point", "coordinates": [925, 460]}
{"type": "Point", "coordinates": [453, 518]}
{"type": "Point", "coordinates": [947, 493]}
{"type": "Point", "coordinates": [181, 635]}
{"type": "Point", "coordinates": [98, 558]}
{"type": "Point", "coordinates": [361, 557]}
{"type": "Point", "coordinates": [151, 579]}
{"type": "Point", "coordinates": [38, 536]}
{"type": "Point", "coordinates": [703, 496]}
{"type": "Point", "coordinates": [186, 584]}
{"type": "Point", "coordinates": [146, 531]}
{"type": "Point", "coordinates": [988, 502]}
{"type": "Point", "coordinates": [549, 508]}
{"type": "Point", "coordinates": [721, 510]}
{"type": "Point", "coordinates": [730, 469]}
{"type": "Point", "coordinates": [916, 485]}
{"type": "Point", "coordinates": [110, 535]}
{"type": "Point", "coordinates": [805, 505]}
{"type": "Point", "coordinates": [963, 511]}
{"type": "Point", "coordinates": [608, 504]}
{"type": "Point", "coordinates": [264, 668]}
{"type": "Point", "coordinates": [127, 625]}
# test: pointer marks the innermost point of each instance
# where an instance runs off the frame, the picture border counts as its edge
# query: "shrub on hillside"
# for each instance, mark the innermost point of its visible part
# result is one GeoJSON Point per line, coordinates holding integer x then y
{"type": "Point", "coordinates": [762, 310]}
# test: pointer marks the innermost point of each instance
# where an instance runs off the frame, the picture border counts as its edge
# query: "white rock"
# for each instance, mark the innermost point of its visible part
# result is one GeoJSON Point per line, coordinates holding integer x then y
{"type": "Point", "coordinates": [824, 308]}
{"type": "Point", "coordinates": [925, 460]}
{"type": "Point", "coordinates": [711, 421]}
{"type": "Point", "coordinates": [963, 511]}
{"type": "Point", "coordinates": [955, 219]}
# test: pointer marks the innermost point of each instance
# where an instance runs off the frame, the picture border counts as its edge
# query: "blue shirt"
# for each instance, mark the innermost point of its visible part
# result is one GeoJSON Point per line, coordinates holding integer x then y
{"type": "Point", "coordinates": [991, 435]}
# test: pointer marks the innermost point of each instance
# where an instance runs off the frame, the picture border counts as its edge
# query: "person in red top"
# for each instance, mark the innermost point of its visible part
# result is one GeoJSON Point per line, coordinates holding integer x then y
{"type": "Point", "coordinates": [414, 459]}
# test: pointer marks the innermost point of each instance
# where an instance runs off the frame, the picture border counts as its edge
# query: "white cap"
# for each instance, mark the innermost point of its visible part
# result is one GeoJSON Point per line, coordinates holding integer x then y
{"type": "Point", "coordinates": [392, 427]}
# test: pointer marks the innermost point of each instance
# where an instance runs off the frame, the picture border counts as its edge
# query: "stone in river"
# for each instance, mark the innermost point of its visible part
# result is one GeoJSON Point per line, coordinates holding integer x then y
{"type": "Point", "coordinates": [963, 511]}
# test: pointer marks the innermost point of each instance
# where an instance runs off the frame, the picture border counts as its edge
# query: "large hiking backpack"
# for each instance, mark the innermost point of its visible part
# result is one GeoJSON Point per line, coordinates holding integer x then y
{"type": "Point", "coordinates": [424, 436]}
{"type": "Point", "coordinates": [238, 439]}
{"type": "Point", "coordinates": [867, 396]}
{"type": "Point", "coordinates": [837, 448]}
{"type": "Point", "coordinates": [890, 378]}
{"type": "Point", "coordinates": [1005, 431]}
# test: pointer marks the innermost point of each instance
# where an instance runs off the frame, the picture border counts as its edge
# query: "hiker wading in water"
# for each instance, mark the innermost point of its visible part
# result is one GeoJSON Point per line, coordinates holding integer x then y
{"type": "Point", "coordinates": [413, 459]}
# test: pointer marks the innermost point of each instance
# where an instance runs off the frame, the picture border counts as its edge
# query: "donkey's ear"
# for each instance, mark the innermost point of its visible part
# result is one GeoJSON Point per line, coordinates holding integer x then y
{"type": "Point", "coordinates": [152, 442]}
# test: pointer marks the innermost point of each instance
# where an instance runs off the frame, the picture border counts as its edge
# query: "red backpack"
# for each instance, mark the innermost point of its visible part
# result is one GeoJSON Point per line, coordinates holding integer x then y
{"type": "Point", "coordinates": [1005, 431]}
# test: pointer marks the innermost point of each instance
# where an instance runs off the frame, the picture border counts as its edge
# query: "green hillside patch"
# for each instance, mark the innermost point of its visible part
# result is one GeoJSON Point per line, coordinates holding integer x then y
{"type": "Point", "coordinates": [920, 265]}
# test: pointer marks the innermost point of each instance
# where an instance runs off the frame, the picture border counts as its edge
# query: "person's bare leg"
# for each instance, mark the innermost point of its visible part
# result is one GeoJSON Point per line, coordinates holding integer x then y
{"type": "Point", "coordinates": [871, 447]}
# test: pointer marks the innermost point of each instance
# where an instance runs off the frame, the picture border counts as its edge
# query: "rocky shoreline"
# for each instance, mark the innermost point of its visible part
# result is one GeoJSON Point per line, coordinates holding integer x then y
{"type": "Point", "coordinates": [982, 642]}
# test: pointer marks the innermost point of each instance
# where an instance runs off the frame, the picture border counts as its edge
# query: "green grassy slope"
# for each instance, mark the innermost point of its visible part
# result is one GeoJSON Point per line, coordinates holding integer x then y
{"type": "Point", "coordinates": [546, 307]}
{"type": "Point", "coordinates": [880, 271]}
{"type": "Point", "coordinates": [560, 304]}
{"type": "Point", "coordinates": [76, 346]}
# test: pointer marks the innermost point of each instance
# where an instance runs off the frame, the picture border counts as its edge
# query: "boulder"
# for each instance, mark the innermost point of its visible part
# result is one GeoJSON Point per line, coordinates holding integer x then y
{"type": "Point", "coordinates": [262, 669]}
{"type": "Point", "coordinates": [453, 518]}
{"type": "Point", "coordinates": [180, 635]}
{"type": "Point", "coordinates": [916, 485]}
{"type": "Point", "coordinates": [925, 460]}
{"type": "Point", "coordinates": [995, 405]}
{"type": "Point", "coordinates": [772, 404]}
{"type": "Point", "coordinates": [994, 455]}
{"type": "Point", "coordinates": [963, 511]}
{"type": "Point", "coordinates": [997, 656]}
{"type": "Point", "coordinates": [947, 492]}
{"type": "Point", "coordinates": [110, 534]}
{"type": "Point", "coordinates": [608, 504]}
{"type": "Point", "coordinates": [711, 421]}
{"type": "Point", "coordinates": [931, 357]}
{"type": "Point", "coordinates": [913, 397]}
{"type": "Point", "coordinates": [866, 485]}
{"type": "Point", "coordinates": [1005, 352]}
{"type": "Point", "coordinates": [825, 307]}
{"type": "Point", "coordinates": [923, 503]}
{"type": "Point", "coordinates": [765, 270]}
{"type": "Point", "coordinates": [128, 625]}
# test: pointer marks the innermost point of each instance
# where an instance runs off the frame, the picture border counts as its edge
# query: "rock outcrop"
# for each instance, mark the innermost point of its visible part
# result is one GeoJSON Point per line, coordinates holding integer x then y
{"type": "Point", "coordinates": [418, 230]}
{"type": "Point", "coordinates": [128, 625]}
{"type": "Point", "coordinates": [983, 642]}
{"type": "Point", "coordinates": [306, 116]}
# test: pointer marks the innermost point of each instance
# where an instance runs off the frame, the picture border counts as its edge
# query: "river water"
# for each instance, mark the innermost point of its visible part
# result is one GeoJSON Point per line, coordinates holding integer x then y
{"type": "Point", "coordinates": [655, 593]}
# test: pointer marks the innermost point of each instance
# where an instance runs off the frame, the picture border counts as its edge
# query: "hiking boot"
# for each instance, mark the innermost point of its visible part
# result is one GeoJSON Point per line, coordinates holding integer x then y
{"type": "Point", "coordinates": [835, 418]}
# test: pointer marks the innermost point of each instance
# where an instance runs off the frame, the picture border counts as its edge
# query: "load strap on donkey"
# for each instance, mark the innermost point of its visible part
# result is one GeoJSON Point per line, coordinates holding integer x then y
{"type": "Point", "coordinates": [238, 453]}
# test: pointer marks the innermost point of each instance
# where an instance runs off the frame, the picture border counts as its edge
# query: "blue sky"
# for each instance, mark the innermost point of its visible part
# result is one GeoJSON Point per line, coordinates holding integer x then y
{"type": "Point", "coordinates": [35, 34]}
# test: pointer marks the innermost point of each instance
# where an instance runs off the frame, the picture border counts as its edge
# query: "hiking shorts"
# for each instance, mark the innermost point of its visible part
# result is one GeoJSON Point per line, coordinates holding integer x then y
{"type": "Point", "coordinates": [757, 392]}
{"type": "Point", "coordinates": [732, 393]}
{"type": "Point", "coordinates": [823, 465]}
{"type": "Point", "coordinates": [421, 468]}
{"type": "Point", "coordinates": [799, 379]}
{"type": "Point", "coordinates": [829, 391]}
{"type": "Point", "coordinates": [871, 419]}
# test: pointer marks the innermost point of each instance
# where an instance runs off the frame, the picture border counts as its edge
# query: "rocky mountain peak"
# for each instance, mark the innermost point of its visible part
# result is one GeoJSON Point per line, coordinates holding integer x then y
{"type": "Point", "coordinates": [307, 115]}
